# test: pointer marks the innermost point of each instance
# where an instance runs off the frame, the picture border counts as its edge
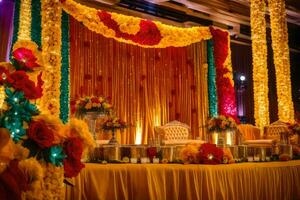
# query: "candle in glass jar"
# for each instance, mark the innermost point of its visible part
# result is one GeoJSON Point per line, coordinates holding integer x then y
{"type": "Point", "coordinates": [133, 160]}
{"type": "Point", "coordinates": [155, 160]}
{"type": "Point", "coordinates": [215, 137]}
{"type": "Point", "coordinates": [250, 159]}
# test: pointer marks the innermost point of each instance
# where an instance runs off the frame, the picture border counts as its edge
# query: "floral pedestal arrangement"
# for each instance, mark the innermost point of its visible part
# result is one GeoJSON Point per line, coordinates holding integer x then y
{"type": "Point", "coordinates": [113, 124]}
{"type": "Point", "coordinates": [221, 131]}
{"type": "Point", "coordinates": [113, 139]}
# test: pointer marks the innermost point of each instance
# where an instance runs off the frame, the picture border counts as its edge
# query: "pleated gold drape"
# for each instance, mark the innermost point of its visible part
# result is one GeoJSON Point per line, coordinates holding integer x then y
{"type": "Point", "coordinates": [148, 87]}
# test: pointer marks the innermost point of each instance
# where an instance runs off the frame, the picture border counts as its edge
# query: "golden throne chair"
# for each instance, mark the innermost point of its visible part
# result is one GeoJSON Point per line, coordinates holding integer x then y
{"type": "Point", "coordinates": [175, 132]}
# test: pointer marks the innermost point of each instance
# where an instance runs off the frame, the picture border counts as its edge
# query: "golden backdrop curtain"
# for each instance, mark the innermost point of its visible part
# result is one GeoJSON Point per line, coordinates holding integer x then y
{"type": "Point", "coordinates": [148, 87]}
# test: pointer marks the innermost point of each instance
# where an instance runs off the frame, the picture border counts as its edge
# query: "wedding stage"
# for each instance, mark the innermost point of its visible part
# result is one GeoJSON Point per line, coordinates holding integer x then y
{"type": "Point", "coordinates": [271, 180]}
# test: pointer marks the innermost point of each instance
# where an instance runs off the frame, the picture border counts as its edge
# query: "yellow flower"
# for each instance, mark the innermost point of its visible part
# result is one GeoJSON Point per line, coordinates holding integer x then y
{"type": "Point", "coordinates": [78, 128]}
{"type": "Point", "coordinates": [88, 106]}
{"type": "Point", "coordinates": [32, 169]}
{"type": "Point", "coordinates": [56, 126]}
{"type": "Point", "coordinates": [189, 154]}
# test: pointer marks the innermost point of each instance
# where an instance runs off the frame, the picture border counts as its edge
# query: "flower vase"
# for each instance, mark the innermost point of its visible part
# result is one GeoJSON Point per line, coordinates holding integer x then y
{"type": "Point", "coordinates": [91, 118]}
{"type": "Point", "coordinates": [113, 139]}
{"type": "Point", "coordinates": [222, 138]}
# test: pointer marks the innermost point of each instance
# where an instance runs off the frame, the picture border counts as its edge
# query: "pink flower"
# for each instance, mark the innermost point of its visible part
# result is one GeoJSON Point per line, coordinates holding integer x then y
{"type": "Point", "coordinates": [25, 58]}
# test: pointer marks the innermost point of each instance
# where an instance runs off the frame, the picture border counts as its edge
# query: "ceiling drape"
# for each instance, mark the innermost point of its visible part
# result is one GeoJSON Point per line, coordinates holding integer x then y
{"type": "Point", "coordinates": [148, 87]}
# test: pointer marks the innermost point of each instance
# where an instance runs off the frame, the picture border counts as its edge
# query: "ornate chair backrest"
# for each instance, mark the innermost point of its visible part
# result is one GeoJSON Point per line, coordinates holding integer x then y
{"type": "Point", "coordinates": [174, 131]}
{"type": "Point", "coordinates": [274, 130]}
{"type": "Point", "coordinates": [249, 132]}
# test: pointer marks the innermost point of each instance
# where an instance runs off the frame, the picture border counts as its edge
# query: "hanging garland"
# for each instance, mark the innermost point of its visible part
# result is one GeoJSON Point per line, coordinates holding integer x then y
{"type": "Point", "coordinates": [281, 56]}
{"type": "Point", "coordinates": [16, 22]}
{"type": "Point", "coordinates": [260, 68]}
{"type": "Point", "coordinates": [65, 70]}
{"type": "Point", "coordinates": [134, 30]}
{"type": "Point", "coordinates": [25, 20]}
{"type": "Point", "coordinates": [51, 42]}
{"type": "Point", "coordinates": [36, 28]}
{"type": "Point", "coordinates": [212, 89]}
{"type": "Point", "coordinates": [224, 80]}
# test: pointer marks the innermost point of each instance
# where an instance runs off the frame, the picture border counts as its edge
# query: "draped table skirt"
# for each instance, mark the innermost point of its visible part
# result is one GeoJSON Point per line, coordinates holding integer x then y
{"type": "Point", "coordinates": [270, 181]}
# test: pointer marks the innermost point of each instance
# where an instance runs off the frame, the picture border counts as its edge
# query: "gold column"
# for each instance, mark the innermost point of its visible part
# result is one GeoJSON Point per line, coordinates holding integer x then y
{"type": "Point", "coordinates": [281, 60]}
{"type": "Point", "coordinates": [260, 68]}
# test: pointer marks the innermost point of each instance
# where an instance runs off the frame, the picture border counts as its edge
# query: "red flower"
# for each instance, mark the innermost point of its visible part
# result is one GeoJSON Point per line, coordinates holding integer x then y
{"type": "Point", "coordinates": [149, 34]}
{"type": "Point", "coordinates": [72, 167]}
{"type": "Point", "coordinates": [25, 58]}
{"type": "Point", "coordinates": [151, 152]}
{"type": "Point", "coordinates": [5, 76]}
{"type": "Point", "coordinates": [22, 82]}
{"type": "Point", "coordinates": [95, 100]}
{"type": "Point", "coordinates": [226, 92]}
{"type": "Point", "coordinates": [210, 154]}
{"type": "Point", "coordinates": [18, 78]}
{"type": "Point", "coordinates": [73, 148]}
{"type": "Point", "coordinates": [42, 134]}
{"type": "Point", "coordinates": [12, 182]}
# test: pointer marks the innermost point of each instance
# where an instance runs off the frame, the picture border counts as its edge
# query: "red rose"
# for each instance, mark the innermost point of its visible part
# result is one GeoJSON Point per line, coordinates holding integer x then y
{"type": "Point", "coordinates": [95, 100]}
{"type": "Point", "coordinates": [210, 154]}
{"type": "Point", "coordinates": [12, 182]}
{"type": "Point", "coordinates": [18, 78]}
{"type": "Point", "coordinates": [72, 167]}
{"type": "Point", "coordinates": [73, 148]}
{"type": "Point", "coordinates": [42, 134]}
{"type": "Point", "coordinates": [22, 82]}
{"type": "Point", "coordinates": [25, 58]}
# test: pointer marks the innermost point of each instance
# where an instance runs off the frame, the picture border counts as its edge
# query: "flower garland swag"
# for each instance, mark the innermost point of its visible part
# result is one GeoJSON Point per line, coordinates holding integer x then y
{"type": "Point", "coordinates": [45, 149]}
{"type": "Point", "coordinates": [224, 79]}
{"type": "Point", "coordinates": [134, 30]}
{"type": "Point", "coordinates": [281, 57]}
{"type": "Point", "coordinates": [260, 68]}
{"type": "Point", "coordinates": [212, 89]}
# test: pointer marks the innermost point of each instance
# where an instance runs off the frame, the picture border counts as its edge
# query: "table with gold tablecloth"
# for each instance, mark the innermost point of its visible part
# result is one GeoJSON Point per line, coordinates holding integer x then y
{"type": "Point", "coordinates": [272, 180]}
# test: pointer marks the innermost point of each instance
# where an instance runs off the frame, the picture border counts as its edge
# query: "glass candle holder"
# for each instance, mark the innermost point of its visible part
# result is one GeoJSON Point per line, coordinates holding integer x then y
{"type": "Point", "coordinates": [111, 152]}
{"type": "Point", "coordinates": [125, 152]}
{"type": "Point", "coordinates": [242, 152]}
{"type": "Point", "coordinates": [286, 149]}
{"type": "Point", "coordinates": [167, 153]}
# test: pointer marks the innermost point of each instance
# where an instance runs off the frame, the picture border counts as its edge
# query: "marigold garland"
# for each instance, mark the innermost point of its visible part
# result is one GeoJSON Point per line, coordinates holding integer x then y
{"type": "Point", "coordinates": [51, 42]}
{"type": "Point", "coordinates": [281, 57]}
{"type": "Point", "coordinates": [260, 68]}
{"type": "Point", "coordinates": [133, 30]}
{"type": "Point", "coordinates": [25, 22]}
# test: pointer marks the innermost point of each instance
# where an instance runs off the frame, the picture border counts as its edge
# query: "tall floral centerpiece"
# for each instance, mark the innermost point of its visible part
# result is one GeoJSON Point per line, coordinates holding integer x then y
{"type": "Point", "coordinates": [221, 130]}
{"type": "Point", "coordinates": [113, 124]}
{"type": "Point", "coordinates": [48, 151]}
{"type": "Point", "coordinates": [92, 108]}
